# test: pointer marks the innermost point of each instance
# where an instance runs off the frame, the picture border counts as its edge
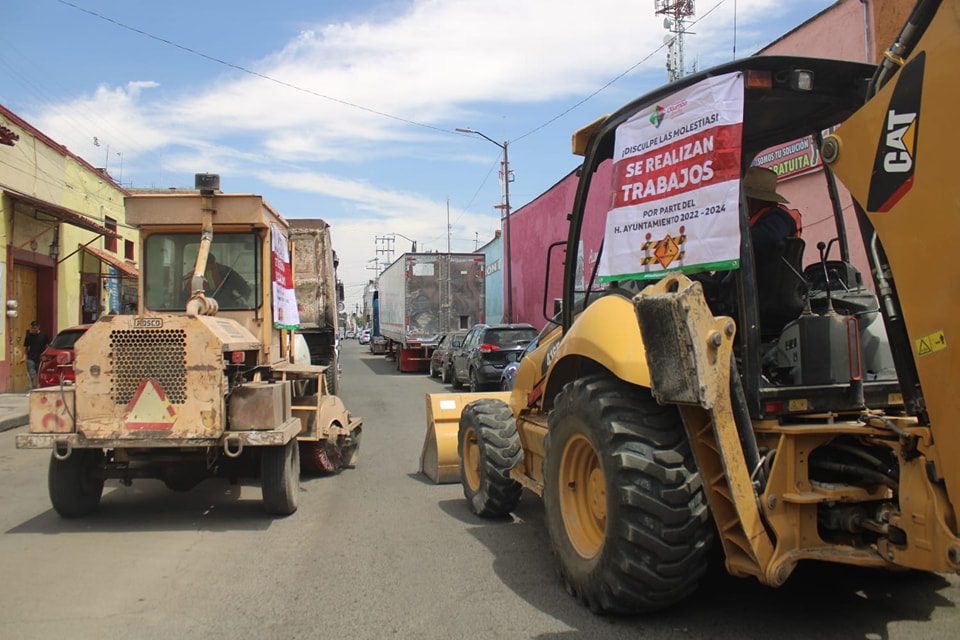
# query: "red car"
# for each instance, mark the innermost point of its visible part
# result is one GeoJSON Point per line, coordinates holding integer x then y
{"type": "Point", "coordinates": [57, 359]}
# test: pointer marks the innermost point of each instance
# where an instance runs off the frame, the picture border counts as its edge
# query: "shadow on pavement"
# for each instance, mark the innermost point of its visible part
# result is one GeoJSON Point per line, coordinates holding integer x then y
{"type": "Point", "coordinates": [381, 366]}
{"type": "Point", "coordinates": [819, 600]}
{"type": "Point", "coordinates": [147, 505]}
{"type": "Point", "coordinates": [422, 479]}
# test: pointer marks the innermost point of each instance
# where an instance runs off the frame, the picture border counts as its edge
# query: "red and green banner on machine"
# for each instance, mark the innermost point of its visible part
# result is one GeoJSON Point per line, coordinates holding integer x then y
{"type": "Point", "coordinates": [285, 312]}
{"type": "Point", "coordinates": [676, 185]}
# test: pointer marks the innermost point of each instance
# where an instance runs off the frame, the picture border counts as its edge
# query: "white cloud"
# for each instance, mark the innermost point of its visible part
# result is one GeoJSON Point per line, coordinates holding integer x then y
{"type": "Point", "coordinates": [112, 115]}
{"type": "Point", "coordinates": [446, 63]}
{"type": "Point", "coordinates": [439, 62]}
{"type": "Point", "coordinates": [383, 211]}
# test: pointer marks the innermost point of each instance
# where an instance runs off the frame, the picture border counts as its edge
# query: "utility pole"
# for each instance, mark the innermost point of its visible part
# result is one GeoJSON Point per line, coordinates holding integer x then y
{"type": "Point", "coordinates": [507, 240]}
{"type": "Point", "coordinates": [505, 220]}
{"type": "Point", "coordinates": [448, 319]}
{"type": "Point", "coordinates": [384, 247]}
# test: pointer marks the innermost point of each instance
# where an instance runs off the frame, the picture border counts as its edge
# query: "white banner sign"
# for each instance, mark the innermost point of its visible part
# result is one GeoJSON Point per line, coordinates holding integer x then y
{"type": "Point", "coordinates": [285, 313]}
{"type": "Point", "coordinates": [677, 185]}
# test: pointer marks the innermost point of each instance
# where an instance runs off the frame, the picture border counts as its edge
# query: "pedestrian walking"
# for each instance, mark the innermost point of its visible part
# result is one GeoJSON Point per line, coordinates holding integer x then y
{"type": "Point", "coordinates": [35, 342]}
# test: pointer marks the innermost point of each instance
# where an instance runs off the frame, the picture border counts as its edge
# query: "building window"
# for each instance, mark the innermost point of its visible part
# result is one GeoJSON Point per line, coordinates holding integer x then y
{"type": "Point", "coordinates": [110, 244]}
{"type": "Point", "coordinates": [464, 322]}
{"type": "Point", "coordinates": [128, 250]}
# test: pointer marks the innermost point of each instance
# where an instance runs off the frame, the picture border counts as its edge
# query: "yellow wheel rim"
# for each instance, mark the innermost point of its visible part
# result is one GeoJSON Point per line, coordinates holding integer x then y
{"type": "Point", "coordinates": [583, 496]}
{"type": "Point", "coordinates": [471, 459]}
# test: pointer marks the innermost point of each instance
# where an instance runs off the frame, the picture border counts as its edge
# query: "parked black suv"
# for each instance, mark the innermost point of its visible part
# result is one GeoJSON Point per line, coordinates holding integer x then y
{"type": "Point", "coordinates": [485, 352]}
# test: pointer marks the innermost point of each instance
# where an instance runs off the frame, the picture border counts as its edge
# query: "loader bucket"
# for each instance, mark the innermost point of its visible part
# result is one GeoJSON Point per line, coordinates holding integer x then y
{"type": "Point", "coordinates": [439, 459]}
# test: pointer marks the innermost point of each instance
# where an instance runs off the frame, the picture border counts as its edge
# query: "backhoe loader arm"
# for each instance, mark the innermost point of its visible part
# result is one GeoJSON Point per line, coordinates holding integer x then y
{"type": "Point", "coordinates": [897, 156]}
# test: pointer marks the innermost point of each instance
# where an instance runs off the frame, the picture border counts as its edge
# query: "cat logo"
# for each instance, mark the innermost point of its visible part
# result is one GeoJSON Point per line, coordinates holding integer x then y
{"type": "Point", "coordinates": [901, 141]}
{"type": "Point", "coordinates": [896, 158]}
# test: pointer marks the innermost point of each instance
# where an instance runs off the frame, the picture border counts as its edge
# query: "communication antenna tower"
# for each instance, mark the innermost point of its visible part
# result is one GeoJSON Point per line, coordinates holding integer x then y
{"type": "Point", "coordinates": [676, 13]}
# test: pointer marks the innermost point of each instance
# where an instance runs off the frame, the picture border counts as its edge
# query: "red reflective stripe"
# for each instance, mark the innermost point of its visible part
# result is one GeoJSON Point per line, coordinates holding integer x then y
{"type": "Point", "coordinates": [793, 213]}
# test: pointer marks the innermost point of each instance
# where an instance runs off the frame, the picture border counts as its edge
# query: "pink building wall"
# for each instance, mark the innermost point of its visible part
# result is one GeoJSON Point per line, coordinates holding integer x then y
{"type": "Point", "coordinates": [538, 224]}
{"type": "Point", "coordinates": [533, 227]}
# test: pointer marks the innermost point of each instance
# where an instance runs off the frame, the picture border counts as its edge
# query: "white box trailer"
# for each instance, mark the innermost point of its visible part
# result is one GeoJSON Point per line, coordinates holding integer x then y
{"type": "Point", "coordinates": [425, 295]}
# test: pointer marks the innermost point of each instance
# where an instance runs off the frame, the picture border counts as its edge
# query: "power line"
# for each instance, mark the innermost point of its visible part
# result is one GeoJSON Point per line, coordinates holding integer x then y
{"type": "Point", "coordinates": [256, 74]}
{"type": "Point", "coordinates": [608, 84]}
{"type": "Point", "coordinates": [89, 117]}
{"type": "Point", "coordinates": [476, 193]}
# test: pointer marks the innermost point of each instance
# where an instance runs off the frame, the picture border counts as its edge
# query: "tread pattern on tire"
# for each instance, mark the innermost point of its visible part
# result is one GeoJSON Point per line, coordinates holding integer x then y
{"type": "Point", "coordinates": [500, 451]}
{"type": "Point", "coordinates": [277, 499]}
{"type": "Point", "coordinates": [659, 528]}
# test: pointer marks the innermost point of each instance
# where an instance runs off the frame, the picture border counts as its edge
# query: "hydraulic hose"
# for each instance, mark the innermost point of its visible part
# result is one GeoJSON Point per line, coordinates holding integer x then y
{"type": "Point", "coordinates": [862, 473]}
{"type": "Point", "coordinates": [741, 415]}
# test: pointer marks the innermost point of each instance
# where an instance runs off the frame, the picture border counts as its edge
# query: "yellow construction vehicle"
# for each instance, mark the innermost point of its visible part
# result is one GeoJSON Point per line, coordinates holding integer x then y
{"type": "Point", "coordinates": [204, 380]}
{"type": "Point", "coordinates": [783, 413]}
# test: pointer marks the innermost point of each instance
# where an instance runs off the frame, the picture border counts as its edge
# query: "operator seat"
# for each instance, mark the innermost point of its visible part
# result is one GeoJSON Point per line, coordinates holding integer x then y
{"type": "Point", "coordinates": [780, 289]}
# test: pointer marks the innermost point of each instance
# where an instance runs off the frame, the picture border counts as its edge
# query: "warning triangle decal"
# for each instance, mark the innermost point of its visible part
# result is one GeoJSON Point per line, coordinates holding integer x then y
{"type": "Point", "coordinates": [149, 408]}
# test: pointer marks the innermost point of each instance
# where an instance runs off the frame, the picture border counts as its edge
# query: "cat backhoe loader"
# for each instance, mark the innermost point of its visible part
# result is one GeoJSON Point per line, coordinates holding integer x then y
{"type": "Point", "coordinates": [687, 397]}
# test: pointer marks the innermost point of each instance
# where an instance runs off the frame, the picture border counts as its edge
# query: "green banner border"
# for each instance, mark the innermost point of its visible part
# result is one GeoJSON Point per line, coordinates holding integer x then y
{"type": "Point", "coordinates": [725, 265]}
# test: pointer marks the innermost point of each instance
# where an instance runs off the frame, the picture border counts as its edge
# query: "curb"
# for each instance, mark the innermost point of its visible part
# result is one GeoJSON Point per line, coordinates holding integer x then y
{"type": "Point", "coordinates": [12, 422]}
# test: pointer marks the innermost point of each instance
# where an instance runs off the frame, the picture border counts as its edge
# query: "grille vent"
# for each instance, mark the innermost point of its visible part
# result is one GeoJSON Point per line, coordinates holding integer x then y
{"type": "Point", "coordinates": [140, 354]}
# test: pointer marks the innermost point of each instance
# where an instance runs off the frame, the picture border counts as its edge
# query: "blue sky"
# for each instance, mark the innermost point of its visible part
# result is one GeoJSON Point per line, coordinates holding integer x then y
{"type": "Point", "coordinates": [503, 67]}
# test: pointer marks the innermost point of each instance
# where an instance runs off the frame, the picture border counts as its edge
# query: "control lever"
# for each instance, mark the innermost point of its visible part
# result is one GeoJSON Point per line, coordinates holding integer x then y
{"type": "Point", "coordinates": [824, 250]}
{"type": "Point", "coordinates": [806, 287]}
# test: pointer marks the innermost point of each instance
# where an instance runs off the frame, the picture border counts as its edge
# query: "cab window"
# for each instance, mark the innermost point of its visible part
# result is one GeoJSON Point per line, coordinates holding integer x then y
{"type": "Point", "coordinates": [232, 275]}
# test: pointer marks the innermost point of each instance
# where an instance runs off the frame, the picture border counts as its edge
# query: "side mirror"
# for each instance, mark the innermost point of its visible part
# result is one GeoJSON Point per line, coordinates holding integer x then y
{"type": "Point", "coordinates": [546, 280]}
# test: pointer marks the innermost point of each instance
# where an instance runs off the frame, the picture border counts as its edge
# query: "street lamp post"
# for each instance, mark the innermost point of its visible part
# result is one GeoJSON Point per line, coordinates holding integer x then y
{"type": "Point", "coordinates": [413, 243]}
{"type": "Point", "coordinates": [506, 225]}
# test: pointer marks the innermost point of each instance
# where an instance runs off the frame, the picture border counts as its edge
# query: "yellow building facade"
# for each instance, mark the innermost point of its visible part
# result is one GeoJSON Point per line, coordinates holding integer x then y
{"type": "Point", "coordinates": [68, 256]}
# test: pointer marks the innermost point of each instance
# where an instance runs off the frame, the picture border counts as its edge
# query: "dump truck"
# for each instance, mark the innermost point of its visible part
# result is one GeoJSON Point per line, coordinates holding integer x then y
{"type": "Point", "coordinates": [201, 382]}
{"type": "Point", "coordinates": [319, 294]}
{"type": "Point", "coordinates": [684, 400]}
{"type": "Point", "coordinates": [423, 295]}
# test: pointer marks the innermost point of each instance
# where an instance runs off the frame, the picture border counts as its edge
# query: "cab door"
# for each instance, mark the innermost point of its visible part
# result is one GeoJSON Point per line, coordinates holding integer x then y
{"type": "Point", "coordinates": [460, 356]}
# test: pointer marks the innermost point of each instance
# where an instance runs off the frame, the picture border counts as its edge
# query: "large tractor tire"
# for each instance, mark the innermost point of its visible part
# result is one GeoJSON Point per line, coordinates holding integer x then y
{"type": "Point", "coordinates": [75, 484]}
{"type": "Point", "coordinates": [624, 503]}
{"type": "Point", "coordinates": [489, 447]}
{"type": "Point", "coordinates": [280, 478]}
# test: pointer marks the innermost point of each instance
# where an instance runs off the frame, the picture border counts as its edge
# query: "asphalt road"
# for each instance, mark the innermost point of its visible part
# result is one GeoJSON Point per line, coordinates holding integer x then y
{"type": "Point", "coordinates": [374, 552]}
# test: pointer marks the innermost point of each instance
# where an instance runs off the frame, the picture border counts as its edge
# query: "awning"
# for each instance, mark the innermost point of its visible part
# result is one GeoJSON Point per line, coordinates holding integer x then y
{"type": "Point", "coordinates": [69, 216]}
{"type": "Point", "coordinates": [124, 267]}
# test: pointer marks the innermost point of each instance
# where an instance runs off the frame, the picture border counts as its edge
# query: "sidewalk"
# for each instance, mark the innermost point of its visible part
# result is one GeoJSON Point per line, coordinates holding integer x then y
{"type": "Point", "coordinates": [14, 410]}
